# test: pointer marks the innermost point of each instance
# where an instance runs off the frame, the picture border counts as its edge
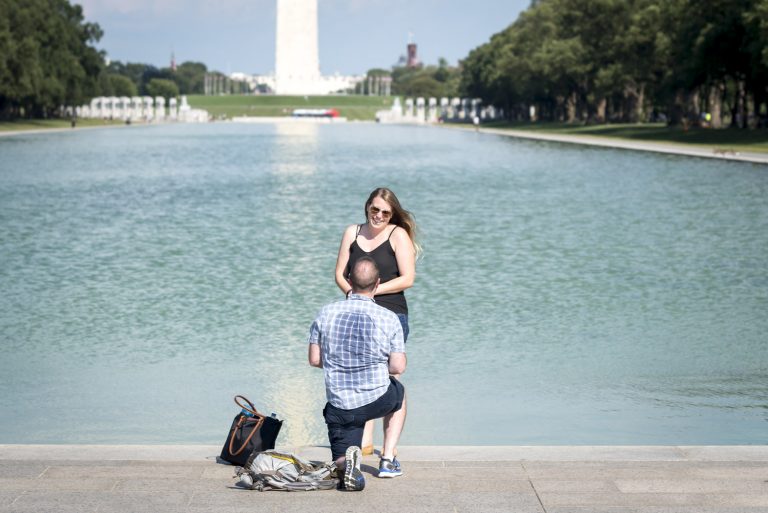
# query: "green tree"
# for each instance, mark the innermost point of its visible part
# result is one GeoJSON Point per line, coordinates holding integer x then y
{"type": "Point", "coordinates": [47, 58]}
{"type": "Point", "coordinates": [190, 77]}
{"type": "Point", "coordinates": [122, 85]}
{"type": "Point", "coordinates": [162, 87]}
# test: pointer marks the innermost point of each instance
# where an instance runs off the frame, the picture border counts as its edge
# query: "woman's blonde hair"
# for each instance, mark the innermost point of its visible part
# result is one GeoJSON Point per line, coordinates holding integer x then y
{"type": "Point", "coordinates": [400, 216]}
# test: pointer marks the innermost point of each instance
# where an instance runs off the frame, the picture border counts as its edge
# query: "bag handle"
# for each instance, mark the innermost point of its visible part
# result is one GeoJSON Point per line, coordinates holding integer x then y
{"type": "Point", "coordinates": [259, 422]}
{"type": "Point", "coordinates": [250, 408]}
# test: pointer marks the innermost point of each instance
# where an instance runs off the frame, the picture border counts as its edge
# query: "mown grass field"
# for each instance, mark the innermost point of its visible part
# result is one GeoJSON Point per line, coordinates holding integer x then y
{"type": "Point", "coordinates": [355, 108]}
{"type": "Point", "coordinates": [43, 124]}
{"type": "Point", "coordinates": [727, 139]}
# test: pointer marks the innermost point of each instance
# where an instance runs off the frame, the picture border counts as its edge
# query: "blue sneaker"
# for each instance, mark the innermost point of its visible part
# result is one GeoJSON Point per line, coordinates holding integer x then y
{"type": "Point", "coordinates": [389, 468]}
{"type": "Point", "coordinates": [353, 476]}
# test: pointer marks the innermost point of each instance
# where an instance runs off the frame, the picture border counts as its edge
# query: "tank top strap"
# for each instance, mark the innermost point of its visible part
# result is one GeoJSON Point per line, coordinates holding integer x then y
{"type": "Point", "coordinates": [393, 231]}
{"type": "Point", "coordinates": [359, 227]}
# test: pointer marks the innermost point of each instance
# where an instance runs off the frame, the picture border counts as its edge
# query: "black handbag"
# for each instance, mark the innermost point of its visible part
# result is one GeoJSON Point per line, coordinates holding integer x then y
{"type": "Point", "coordinates": [251, 431]}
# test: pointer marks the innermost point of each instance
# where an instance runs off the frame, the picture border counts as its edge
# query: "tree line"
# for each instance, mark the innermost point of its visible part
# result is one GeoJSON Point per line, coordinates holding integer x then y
{"type": "Point", "coordinates": [683, 61]}
{"type": "Point", "coordinates": [48, 60]}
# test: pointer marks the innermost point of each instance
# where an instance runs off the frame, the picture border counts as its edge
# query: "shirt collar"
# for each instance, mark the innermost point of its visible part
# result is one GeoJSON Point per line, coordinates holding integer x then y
{"type": "Point", "coordinates": [361, 297]}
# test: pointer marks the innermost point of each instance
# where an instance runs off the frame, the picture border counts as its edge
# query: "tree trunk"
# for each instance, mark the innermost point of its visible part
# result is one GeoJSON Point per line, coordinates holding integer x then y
{"type": "Point", "coordinates": [716, 96]}
{"type": "Point", "coordinates": [637, 114]}
{"type": "Point", "coordinates": [570, 107]}
{"type": "Point", "coordinates": [743, 110]}
{"type": "Point", "coordinates": [693, 107]}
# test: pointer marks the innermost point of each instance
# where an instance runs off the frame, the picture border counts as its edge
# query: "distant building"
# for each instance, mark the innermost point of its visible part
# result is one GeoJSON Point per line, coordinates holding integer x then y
{"type": "Point", "coordinates": [413, 58]}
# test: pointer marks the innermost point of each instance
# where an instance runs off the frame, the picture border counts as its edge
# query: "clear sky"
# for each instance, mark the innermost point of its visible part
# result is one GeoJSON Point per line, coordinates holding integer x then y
{"type": "Point", "coordinates": [239, 35]}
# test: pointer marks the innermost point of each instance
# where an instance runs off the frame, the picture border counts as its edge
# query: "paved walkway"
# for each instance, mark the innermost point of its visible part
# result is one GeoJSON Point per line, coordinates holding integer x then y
{"type": "Point", "coordinates": [612, 142]}
{"type": "Point", "coordinates": [169, 479]}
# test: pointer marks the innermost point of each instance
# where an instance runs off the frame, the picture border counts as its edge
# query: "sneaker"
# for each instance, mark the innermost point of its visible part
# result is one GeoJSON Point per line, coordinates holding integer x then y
{"type": "Point", "coordinates": [353, 476]}
{"type": "Point", "coordinates": [389, 468]}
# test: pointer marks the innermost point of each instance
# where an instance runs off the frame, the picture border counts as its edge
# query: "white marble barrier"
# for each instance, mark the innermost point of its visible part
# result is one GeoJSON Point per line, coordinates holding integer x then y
{"type": "Point", "coordinates": [432, 111]}
{"type": "Point", "coordinates": [135, 110]}
{"type": "Point", "coordinates": [409, 107]}
{"type": "Point", "coordinates": [159, 108]}
{"type": "Point", "coordinates": [475, 107]}
{"type": "Point", "coordinates": [445, 104]}
{"type": "Point", "coordinates": [420, 110]}
{"type": "Point", "coordinates": [455, 107]}
{"type": "Point", "coordinates": [464, 113]}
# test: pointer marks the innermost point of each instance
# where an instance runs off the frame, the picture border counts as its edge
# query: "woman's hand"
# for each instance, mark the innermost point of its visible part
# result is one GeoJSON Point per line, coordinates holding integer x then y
{"type": "Point", "coordinates": [341, 261]}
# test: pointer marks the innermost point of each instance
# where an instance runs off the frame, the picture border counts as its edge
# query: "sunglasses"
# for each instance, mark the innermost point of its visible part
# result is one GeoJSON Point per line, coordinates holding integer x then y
{"type": "Point", "coordinates": [376, 210]}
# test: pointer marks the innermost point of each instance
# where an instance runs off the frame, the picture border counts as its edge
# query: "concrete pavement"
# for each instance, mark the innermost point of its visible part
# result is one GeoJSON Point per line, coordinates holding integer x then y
{"type": "Point", "coordinates": [688, 150]}
{"type": "Point", "coordinates": [567, 479]}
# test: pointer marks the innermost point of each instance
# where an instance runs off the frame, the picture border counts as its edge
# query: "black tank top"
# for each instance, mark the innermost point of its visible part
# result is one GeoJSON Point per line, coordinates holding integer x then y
{"type": "Point", "coordinates": [384, 256]}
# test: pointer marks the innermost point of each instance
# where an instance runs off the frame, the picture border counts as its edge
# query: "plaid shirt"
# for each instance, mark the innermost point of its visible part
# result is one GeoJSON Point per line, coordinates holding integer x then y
{"type": "Point", "coordinates": [356, 337]}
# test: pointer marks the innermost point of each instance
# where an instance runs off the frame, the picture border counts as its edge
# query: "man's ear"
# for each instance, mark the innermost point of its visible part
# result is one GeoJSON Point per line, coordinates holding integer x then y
{"type": "Point", "coordinates": [375, 287]}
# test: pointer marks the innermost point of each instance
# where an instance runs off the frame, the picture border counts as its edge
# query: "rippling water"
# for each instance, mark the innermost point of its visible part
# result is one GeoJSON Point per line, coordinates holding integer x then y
{"type": "Point", "coordinates": [567, 295]}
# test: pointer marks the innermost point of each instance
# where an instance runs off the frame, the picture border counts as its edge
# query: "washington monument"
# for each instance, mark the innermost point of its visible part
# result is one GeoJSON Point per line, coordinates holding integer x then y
{"type": "Point", "coordinates": [297, 65]}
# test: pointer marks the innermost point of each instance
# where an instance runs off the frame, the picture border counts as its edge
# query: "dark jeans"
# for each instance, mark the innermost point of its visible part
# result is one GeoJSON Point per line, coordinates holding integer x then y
{"type": "Point", "coordinates": [345, 427]}
{"type": "Point", "coordinates": [404, 323]}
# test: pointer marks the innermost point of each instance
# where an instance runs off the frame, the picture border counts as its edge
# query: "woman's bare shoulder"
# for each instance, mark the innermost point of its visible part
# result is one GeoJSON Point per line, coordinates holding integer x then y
{"type": "Point", "coordinates": [399, 233]}
{"type": "Point", "coordinates": [350, 231]}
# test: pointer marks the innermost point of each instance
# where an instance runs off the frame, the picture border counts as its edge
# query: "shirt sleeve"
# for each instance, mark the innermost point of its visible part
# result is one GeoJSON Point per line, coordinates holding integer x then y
{"type": "Point", "coordinates": [314, 332]}
{"type": "Point", "coordinates": [397, 342]}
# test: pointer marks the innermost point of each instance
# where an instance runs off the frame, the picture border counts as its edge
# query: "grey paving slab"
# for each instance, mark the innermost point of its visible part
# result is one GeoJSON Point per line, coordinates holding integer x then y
{"type": "Point", "coordinates": [573, 485]}
{"type": "Point", "coordinates": [8, 496]}
{"type": "Point", "coordinates": [730, 471]}
{"type": "Point", "coordinates": [148, 499]}
{"type": "Point", "coordinates": [657, 509]}
{"type": "Point", "coordinates": [187, 485]}
{"type": "Point", "coordinates": [58, 500]}
{"type": "Point", "coordinates": [610, 470]}
{"type": "Point", "coordinates": [482, 502]}
{"type": "Point", "coordinates": [490, 484]}
{"type": "Point", "coordinates": [552, 499]}
{"type": "Point", "coordinates": [16, 468]}
{"type": "Point", "coordinates": [157, 471]}
{"type": "Point", "coordinates": [692, 486]}
{"type": "Point", "coordinates": [462, 473]}
{"type": "Point", "coordinates": [109, 452]}
{"type": "Point", "coordinates": [36, 484]}
{"type": "Point", "coordinates": [710, 481]}
{"type": "Point", "coordinates": [734, 453]}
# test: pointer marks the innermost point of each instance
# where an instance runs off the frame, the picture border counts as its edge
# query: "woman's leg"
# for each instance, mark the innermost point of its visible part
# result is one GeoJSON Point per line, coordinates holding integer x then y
{"type": "Point", "coordinates": [367, 447]}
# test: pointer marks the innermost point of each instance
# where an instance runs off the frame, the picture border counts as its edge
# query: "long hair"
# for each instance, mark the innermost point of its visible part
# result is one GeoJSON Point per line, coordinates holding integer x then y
{"type": "Point", "coordinates": [400, 216]}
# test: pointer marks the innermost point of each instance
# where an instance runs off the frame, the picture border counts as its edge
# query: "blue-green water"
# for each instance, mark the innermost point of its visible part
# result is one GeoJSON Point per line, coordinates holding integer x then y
{"type": "Point", "coordinates": [567, 295]}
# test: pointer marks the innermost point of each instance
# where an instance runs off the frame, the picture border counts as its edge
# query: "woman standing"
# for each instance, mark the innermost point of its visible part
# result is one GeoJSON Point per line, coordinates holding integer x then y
{"type": "Point", "coordinates": [388, 236]}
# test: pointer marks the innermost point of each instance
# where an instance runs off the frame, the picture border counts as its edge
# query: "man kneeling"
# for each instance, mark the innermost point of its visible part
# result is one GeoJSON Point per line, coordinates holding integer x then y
{"type": "Point", "coordinates": [358, 344]}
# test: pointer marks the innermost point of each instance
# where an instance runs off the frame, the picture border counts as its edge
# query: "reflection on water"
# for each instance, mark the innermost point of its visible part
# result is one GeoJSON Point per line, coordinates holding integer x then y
{"type": "Point", "coordinates": [567, 295]}
{"type": "Point", "coordinates": [296, 148]}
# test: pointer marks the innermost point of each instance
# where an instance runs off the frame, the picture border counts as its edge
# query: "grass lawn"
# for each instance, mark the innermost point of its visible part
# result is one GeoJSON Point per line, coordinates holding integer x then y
{"type": "Point", "coordinates": [42, 124]}
{"type": "Point", "coordinates": [351, 107]}
{"type": "Point", "coordinates": [728, 139]}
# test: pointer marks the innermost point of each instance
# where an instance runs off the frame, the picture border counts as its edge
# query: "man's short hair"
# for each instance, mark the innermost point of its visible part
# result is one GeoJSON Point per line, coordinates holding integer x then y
{"type": "Point", "coordinates": [364, 274]}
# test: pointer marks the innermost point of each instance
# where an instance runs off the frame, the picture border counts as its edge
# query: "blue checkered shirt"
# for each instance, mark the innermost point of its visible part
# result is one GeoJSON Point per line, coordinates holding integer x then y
{"type": "Point", "coordinates": [356, 337]}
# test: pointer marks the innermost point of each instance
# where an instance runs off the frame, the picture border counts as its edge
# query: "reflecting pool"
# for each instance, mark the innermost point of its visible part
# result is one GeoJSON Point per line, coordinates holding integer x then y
{"type": "Point", "coordinates": [566, 295]}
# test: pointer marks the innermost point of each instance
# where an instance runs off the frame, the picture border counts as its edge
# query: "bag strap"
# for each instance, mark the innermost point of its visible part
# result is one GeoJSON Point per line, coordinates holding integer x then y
{"type": "Point", "coordinates": [250, 408]}
{"type": "Point", "coordinates": [239, 400]}
{"type": "Point", "coordinates": [239, 424]}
